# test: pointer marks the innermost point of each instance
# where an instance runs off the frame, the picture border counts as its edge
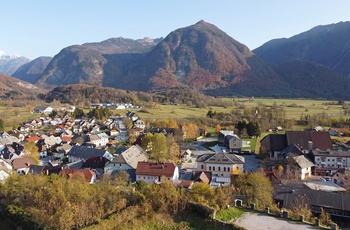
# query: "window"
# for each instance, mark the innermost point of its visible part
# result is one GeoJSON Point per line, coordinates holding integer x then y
{"type": "Point", "coordinates": [224, 169]}
{"type": "Point", "coordinates": [144, 177]}
{"type": "Point", "coordinates": [209, 167]}
{"type": "Point", "coordinates": [201, 166]}
{"type": "Point", "coordinates": [228, 169]}
{"type": "Point", "coordinates": [213, 168]}
{"type": "Point", "coordinates": [219, 168]}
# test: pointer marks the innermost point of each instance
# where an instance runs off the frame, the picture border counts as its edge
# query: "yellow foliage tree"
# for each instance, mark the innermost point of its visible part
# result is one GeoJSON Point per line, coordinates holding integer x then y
{"type": "Point", "coordinates": [31, 150]}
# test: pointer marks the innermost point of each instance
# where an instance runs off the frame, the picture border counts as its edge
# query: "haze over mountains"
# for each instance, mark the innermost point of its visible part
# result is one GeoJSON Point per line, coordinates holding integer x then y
{"type": "Point", "coordinates": [313, 64]}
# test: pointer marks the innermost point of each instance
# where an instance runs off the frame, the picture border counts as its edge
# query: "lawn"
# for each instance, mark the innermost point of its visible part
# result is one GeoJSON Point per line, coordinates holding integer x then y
{"type": "Point", "coordinates": [229, 214]}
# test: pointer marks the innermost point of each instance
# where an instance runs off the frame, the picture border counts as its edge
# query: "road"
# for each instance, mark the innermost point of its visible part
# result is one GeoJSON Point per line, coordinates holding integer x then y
{"type": "Point", "coordinates": [257, 221]}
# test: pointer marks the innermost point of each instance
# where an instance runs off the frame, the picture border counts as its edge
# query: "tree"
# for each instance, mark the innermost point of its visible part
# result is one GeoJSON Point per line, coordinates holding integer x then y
{"type": "Point", "coordinates": [159, 151]}
{"type": "Point", "coordinates": [78, 113]}
{"type": "Point", "coordinates": [173, 148]}
{"type": "Point", "coordinates": [147, 142]}
{"type": "Point", "coordinates": [217, 129]}
{"type": "Point", "coordinates": [256, 188]}
{"type": "Point", "coordinates": [2, 125]}
{"type": "Point", "coordinates": [32, 151]}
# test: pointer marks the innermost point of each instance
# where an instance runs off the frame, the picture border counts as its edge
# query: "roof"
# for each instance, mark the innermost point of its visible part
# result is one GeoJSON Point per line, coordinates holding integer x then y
{"type": "Point", "coordinates": [275, 142]}
{"type": "Point", "coordinates": [155, 169]}
{"type": "Point", "coordinates": [88, 174]}
{"type": "Point", "coordinates": [85, 153]}
{"type": "Point", "coordinates": [220, 158]}
{"type": "Point", "coordinates": [288, 194]}
{"type": "Point", "coordinates": [226, 132]}
{"type": "Point", "coordinates": [202, 176]}
{"type": "Point", "coordinates": [33, 138]}
{"type": "Point", "coordinates": [22, 162]}
{"type": "Point", "coordinates": [186, 183]}
{"type": "Point", "coordinates": [331, 153]}
{"type": "Point", "coordinates": [95, 162]}
{"type": "Point", "coordinates": [133, 155]}
{"type": "Point", "coordinates": [291, 149]}
{"type": "Point", "coordinates": [320, 140]}
{"type": "Point", "coordinates": [303, 162]}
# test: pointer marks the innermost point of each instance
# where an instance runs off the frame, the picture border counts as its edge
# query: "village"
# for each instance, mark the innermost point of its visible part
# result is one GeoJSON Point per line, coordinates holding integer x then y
{"type": "Point", "coordinates": [296, 163]}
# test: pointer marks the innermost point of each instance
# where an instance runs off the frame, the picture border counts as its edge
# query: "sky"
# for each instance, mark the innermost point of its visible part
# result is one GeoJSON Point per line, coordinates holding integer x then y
{"type": "Point", "coordinates": [43, 28]}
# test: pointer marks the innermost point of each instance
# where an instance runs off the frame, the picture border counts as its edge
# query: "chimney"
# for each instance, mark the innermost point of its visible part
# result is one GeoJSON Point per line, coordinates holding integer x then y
{"type": "Point", "coordinates": [310, 145]}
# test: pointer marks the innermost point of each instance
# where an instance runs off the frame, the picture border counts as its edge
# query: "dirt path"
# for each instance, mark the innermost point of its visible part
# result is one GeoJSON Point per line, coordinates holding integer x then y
{"type": "Point", "coordinates": [256, 221]}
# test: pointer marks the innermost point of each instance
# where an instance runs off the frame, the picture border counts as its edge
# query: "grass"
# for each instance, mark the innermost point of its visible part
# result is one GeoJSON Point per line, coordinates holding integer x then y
{"type": "Point", "coordinates": [229, 214]}
{"type": "Point", "coordinates": [14, 116]}
{"type": "Point", "coordinates": [294, 108]}
{"type": "Point", "coordinates": [252, 144]}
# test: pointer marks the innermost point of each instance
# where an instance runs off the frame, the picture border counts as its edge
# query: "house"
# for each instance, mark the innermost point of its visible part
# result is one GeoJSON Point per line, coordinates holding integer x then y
{"type": "Point", "coordinates": [300, 167]}
{"type": "Point", "coordinates": [89, 176]}
{"type": "Point", "coordinates": [222, 134]}
{"type": "Point", "coordinates": [128, 160]}
{"type": "Point", "coordinates": [100, 139]}
{"type": "Point", "coordinates": [83, 153]}
{"type": "Point", "coordinates": [328, 162]}
{"type": "Point", "coordinates": [43, 109]}
{"type": "Point", "coordinates": [233, 143]}
{"type": "Point", "coordinates": [21, 165]}
{"type": "Point", "coordinates": [34, 138]}
{"type": "Point", "coordinates": [220, 164]}
{"type": "Point", "coordinates": [342, 177]}
{"type": "Point", "coordinates": [139, 124]}
{"type": "Point", "coordinates": [336, 204]}
{"type": "Point", "coordinates": [186, 154]}
{"type": "Point", "coordinates": [155, 172]}
{"type": "Point", "coordinates": [96, 164]}
{"type": "Point", "coordinates": [273, 144]}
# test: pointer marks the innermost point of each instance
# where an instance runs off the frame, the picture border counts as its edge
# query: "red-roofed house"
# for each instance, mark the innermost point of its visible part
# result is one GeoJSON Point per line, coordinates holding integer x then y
{"type": "Point", "coordinates": [33, 138]}
{"type": "Point", "coordinates": [153, 172]}
{"type": "Point", "coordinates": [90, 176]}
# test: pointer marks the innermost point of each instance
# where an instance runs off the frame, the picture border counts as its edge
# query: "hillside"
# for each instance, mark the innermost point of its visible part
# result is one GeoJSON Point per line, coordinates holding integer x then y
{"type": "Point", "coordinates": [32, 70]}
{"type": "Point", "coordinates": [327, 45]}
{"type": "Point", "coordinates": [93, 63]}
{"type": "Point", "coordinates": [13, 88]}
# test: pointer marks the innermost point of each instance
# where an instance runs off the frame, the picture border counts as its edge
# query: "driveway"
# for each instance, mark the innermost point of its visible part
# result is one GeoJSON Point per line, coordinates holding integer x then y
{"type": "Point", "coordinates": [257, 221]}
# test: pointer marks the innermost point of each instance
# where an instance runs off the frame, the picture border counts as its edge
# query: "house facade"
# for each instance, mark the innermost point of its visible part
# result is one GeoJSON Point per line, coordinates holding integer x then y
{"type": "Point", "coordinates": [156, 172]}
{"type": "Point", "coordinates": [220, 164]}
{"type": "Point", "coordinates": [328, 162]}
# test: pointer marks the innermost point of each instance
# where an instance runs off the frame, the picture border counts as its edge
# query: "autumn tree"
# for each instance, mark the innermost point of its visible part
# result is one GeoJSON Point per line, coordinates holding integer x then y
{"type": "Point", "coordinates": [191, 131]}
{"type": "Point", "coordinates": [159, 151]}
{"type": "Point", "coordinates": [217, 129]}
{"type": "Point", "coordinates": [256, 188]}
{"type": "Point", "coordinates": [147, 142]}
{"type": "Point", "coordinates": [173, 148]}
{"type": "Point", "coordinates": [31, 150]}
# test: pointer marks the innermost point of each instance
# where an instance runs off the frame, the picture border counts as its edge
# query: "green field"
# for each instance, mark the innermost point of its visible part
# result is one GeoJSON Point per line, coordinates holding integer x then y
{"type": "Point", "coordinates": [294, 108]}
{"type": "Point", "coordinates": [14, 116]}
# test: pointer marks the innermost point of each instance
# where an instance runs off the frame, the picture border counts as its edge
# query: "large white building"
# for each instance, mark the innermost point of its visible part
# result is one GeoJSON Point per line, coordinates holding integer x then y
{"type": "Point", "coordinates": [329, 161]}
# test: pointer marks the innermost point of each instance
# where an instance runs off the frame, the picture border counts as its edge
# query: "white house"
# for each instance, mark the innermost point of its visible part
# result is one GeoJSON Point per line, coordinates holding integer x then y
{"type": "Point", "coordinates": [156, 172]}
{"type": "Point", "coordinates": [127, 160]}
{"type": "Point", "coordinates": [303, 167]}
{"type": "Point", "coordinates": [328, 162]}
{"type": "Point", "coordinates": [220, 164]}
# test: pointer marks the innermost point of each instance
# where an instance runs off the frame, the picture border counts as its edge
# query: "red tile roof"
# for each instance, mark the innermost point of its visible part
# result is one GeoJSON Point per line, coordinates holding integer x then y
{"type": "Point", "coordinates": [155, 169]}
{"type": "Point", "coordinates": [88, 174]}
{"type": "Point", "coordinates": [33, 138]}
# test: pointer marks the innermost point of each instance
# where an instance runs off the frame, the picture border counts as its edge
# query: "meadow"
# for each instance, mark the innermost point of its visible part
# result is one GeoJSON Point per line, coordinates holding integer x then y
{"type": "Point", "coordinates": [294, 108]}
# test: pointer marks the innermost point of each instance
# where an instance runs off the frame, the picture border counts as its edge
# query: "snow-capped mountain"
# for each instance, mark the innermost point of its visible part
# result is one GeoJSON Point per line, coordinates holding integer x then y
{"type": "Point", "coordinates": [10, 63]}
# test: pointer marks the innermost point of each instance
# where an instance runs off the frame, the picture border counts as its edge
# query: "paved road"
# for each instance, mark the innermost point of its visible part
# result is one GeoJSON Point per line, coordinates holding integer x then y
{"type": "Point", "coordinates": [257, 221]}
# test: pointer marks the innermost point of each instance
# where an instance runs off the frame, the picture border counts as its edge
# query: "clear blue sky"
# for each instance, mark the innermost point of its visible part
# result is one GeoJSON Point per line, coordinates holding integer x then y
{"type": "Point", "coordinates": [42, 28]}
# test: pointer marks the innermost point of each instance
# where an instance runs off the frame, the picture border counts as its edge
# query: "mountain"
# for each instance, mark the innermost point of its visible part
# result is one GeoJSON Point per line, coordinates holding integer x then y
{"type": "Point", "coordinates": [32, 70]}
{"type": "Point", "coordinates": [312, 80]}
{"type": "Point", "coordinates": [203, 57]}
{"type": "Point", "coordinates": [13, 88]}
{"type": "Point", "coordinates": [200, 56]}
{"type": "Point", "coordinates": [328, 45]}
{"type": "Point", "coordinates": [93, 63]}
{"type": "Point", "coordinates": [10, 63]}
